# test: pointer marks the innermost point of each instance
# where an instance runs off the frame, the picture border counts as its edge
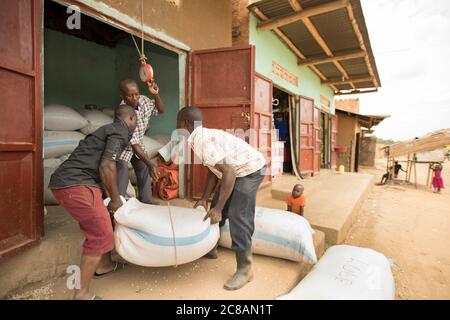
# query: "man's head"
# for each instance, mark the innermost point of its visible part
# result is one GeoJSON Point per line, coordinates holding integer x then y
{"type": "Point", "coordinates": [127, 114]}
{"type": "Point", "coordinates": [187, 117]}
{"type": "Point", "coordinates": [297, 191]}
{"type": "Point", "coordinates": [129, 91]}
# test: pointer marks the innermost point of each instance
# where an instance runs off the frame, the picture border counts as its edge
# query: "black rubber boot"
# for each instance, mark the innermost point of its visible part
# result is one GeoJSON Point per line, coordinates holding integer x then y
{"type": "Point", "coordinates": [243, 273]}
{"type": "Point", "coordinates": [213, 254]}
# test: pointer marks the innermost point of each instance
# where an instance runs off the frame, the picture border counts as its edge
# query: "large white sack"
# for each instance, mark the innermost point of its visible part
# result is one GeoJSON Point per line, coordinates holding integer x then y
{"type": "Point", "coordinates": [280, 234]}
{"type": "Point", "coordinates": [62, 118]}
{"type": "Point", "coordinates": [131, 192]}
{"type": "Point", "coordinates": [347, 273]}
{"type": "Point", "coordinates": [151, 146]}
{"type": "Point", "coordinates": [96, 119]}
{"type": "Point", "coordinates": [144, 234]}
{"type": "Point", "coordinates": [52, 162]}
{"type": "Point", "coordinates": [58, 143]}
{"type": "Point", "coordinates": [109, 111]}
{"type": "Point", "coordinates": [161, 138]}
{"type": "Point", "coordinates": [49, 199]}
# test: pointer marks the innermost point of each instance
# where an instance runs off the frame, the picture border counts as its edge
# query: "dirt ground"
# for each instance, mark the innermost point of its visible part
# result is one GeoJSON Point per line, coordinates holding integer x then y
{"type": "Point", "coordinates": [412, 227]}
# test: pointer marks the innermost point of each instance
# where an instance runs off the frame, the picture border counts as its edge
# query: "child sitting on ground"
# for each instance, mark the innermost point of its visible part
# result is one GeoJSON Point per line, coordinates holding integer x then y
{"type": "Point", "coordinates": [296, 200]}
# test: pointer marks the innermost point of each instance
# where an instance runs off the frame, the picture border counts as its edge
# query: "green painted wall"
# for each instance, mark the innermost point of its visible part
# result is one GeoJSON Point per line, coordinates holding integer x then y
{"type": "Point", "coordinates": [270, 48]}
{"type": "Point", "coordinates": [165, 67]}
{"type": "Point", "coordinates": [79, 72]}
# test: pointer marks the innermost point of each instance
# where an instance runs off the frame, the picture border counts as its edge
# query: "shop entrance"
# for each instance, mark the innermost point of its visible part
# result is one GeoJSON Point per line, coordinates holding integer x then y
{"type": "Point", "coordinates": [281, 112]}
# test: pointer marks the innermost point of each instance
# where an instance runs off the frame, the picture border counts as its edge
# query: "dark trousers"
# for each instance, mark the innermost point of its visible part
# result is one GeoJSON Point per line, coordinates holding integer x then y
{"type": "Point", "coordinates": [240, 210]}
{"type": "Point", "coordinates": [144, 181]}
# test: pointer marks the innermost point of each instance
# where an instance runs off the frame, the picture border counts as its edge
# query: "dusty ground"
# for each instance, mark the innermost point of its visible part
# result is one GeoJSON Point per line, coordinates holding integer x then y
{"type": "Point", "coordinates": [409, 225]}
{"type": "Point", "coordinates": [412, 227]}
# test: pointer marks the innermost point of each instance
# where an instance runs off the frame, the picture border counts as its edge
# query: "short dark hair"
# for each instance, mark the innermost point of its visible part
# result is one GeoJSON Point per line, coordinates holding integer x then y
{"type": "Point", "coordinates": [123, 111]}
{"type": "Point", "coordinates": [125, 83]}
{"type": "Point", "coordinates": [191, 114]}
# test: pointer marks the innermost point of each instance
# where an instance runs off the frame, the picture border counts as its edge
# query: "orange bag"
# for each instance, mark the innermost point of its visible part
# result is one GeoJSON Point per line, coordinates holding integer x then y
{"type": "Point", "coordinates": [167, 185]}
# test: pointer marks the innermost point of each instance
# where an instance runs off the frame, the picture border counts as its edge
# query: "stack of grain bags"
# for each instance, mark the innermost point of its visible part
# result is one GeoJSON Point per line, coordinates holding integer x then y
{"type": "Point", "coordinates": [64, 128]}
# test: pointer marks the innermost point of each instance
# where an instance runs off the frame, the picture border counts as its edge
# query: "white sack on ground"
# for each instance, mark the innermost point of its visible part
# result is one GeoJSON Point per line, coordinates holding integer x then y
{"type": "Point", "coordinates": [58, 143]}
{"type": "Point", "coordinates": [280, 234]}
{"type": "Point", "coordinates": [96, 119]}
{"type": "Point", "coordinates": [347, 273]}
{"type": "Point", "coordinates": [131, 192]}
{"type": "Point", "coordinates": [62, 118]}
{"type": "Point", "coordinates": [144, 234]}
{"type": "Point", "coordinates": [49, 199]}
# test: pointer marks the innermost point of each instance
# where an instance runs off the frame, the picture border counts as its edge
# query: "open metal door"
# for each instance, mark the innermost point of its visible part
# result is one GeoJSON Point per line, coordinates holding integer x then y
{"type": "Point", "coordinates": [21, 183]}
{"type": "Point", "coordinates": [262, 122]}
{"type": "Point", "coordinates": [223, 88]}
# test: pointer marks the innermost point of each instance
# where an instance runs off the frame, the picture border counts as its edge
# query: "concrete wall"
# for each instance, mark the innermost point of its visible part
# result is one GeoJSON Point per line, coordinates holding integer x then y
{"type": "Point", "coordinates": [165, 66]}
{"type": "Point", "coordinates": [368, 151]}
{"type": "Point", "coordinates": [200, 24]}
{"type": "Point", "coordinates": [270, 48]}
{"type": "Point", "coordinates": [79, 72]}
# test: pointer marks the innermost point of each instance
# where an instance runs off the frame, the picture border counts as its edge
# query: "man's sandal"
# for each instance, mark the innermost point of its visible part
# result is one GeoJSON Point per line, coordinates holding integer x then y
{"type": "Point", "coordinates": [118, 266]}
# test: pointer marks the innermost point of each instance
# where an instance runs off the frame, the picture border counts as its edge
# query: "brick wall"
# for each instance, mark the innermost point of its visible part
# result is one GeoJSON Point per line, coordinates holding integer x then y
{"type": "Point", "coordinates": [240, 22]}
{"type": "Point", "coordinates": [349, 105]}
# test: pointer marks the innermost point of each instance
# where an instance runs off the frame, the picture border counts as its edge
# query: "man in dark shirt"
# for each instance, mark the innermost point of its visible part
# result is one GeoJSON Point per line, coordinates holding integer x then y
{"type": "Point", "coordinates": [77, 185]}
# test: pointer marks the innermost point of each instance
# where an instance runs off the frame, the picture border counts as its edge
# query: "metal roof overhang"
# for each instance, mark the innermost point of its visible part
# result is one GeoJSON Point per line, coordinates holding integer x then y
{"type": "Point", "coordinates": [365, 120]}
{"type": "Point", "coordinates": [328, 36]}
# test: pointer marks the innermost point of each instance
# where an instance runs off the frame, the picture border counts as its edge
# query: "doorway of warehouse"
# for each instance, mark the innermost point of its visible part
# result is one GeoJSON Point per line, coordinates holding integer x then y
{"type": "Point", "coordinates": [82, 69]}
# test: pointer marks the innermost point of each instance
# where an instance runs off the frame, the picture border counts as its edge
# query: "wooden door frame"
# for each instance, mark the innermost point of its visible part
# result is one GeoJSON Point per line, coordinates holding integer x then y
{"type": "Point", "coordinates": [35, 148]}
{"type": "Point", "coordinates": [252, 119]}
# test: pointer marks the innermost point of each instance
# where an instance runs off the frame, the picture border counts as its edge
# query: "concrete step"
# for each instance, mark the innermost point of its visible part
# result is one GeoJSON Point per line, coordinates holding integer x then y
{"type": "Point", "coordinates": [332, 200]}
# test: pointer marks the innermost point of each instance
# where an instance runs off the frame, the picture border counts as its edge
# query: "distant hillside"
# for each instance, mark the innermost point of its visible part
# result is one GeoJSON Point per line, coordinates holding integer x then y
{"type": "Point", "coordinates": [384, 141]}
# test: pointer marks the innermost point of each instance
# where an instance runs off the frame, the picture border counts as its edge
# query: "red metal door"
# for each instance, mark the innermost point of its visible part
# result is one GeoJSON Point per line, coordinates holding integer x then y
{"type": "Point", "coordinates": [261, 122]}
{"type": "Point", "coordinates": [317, 140]}
{"type": "Point", "coordinates": [306, 161]}
{"type": "Point", "coordinates": [222, 87]}
{"type": "Point", "coordinates": [21, 208]}
{"type": "Point", "coordinates": [334, 132]}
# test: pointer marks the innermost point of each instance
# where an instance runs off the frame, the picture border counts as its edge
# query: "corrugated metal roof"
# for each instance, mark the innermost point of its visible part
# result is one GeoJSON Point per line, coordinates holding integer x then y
{"type": "Point", "coordinates": [302, 39]}
{"type": "Point", "coordinates": [336, 30]}
{"type": "Point", "coordinates": [329, 70]}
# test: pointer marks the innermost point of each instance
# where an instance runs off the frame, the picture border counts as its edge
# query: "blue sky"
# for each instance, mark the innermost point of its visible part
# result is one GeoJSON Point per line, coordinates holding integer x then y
{"type": "Point", "coordinates": [411, 43]}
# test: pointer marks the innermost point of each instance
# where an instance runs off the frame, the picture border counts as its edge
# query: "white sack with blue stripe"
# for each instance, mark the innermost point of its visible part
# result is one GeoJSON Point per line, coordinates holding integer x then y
{"type": "Point", "coordinates": [347, 273]}
{"type": "Point", "coordinates": [144, 234]}
{"type": "Point", "coordinates": [62, 118]}
{"type": "Point", "coordinates": [59, 143]}
{"type": "Point", "coordinates": [280, 234]}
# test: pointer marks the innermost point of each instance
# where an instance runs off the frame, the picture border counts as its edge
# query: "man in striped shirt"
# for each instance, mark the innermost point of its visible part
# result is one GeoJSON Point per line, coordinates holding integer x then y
{"type": "Point", "coordinates": [135, 152]}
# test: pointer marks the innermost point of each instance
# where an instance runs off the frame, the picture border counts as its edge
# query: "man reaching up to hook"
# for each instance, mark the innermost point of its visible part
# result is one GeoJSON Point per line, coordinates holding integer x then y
{"type": "Point", "coordinates": [145, 108]}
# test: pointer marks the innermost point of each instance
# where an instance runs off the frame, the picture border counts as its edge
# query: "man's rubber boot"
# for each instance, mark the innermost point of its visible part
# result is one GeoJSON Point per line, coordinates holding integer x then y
{"type": "Point", "coordinates": [213, 254]}
{"type": "Point", "coordinates": [243, 273]}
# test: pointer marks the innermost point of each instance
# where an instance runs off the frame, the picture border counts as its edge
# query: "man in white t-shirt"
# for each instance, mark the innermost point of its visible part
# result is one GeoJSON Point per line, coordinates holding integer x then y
{"type": "Point", "coordinates": [240, 169]}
